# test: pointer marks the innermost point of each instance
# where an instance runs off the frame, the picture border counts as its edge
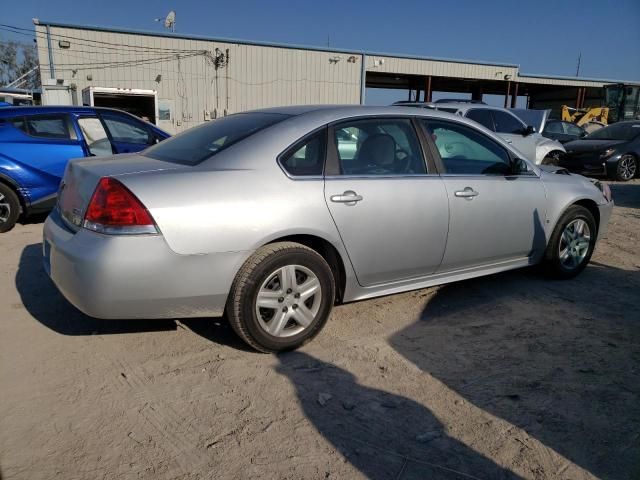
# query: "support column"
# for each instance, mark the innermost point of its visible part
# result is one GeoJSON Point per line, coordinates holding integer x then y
{"type": "Point", "coordinates": [427, 90]}
{"type": "Point", "coordinates": [476, 93]}
{"type": "Point", "coordinates": [363, 79]}
{"type": "Point", "coordinates": [506, 96]}
{"type": "Point", "coordinates": [579, 97]}
{"type": "Point", "coordinates": [514, 97]}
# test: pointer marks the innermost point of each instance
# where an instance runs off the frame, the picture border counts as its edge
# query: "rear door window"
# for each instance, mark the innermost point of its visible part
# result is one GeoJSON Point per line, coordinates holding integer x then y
{"type": "Point", "coordinates": [384, 146]}
{"type": "Point", "coordinates": [482, 116]}
{"type": "Point", "coordinates": [126, 130]}
{"type": "Point", "coordinates": [95, 136]}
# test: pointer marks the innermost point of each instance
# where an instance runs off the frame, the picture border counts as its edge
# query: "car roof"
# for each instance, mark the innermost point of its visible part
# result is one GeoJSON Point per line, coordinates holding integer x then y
{"type": "Point", "coordinates": [330, 113]}
{"type": "Point", "coordinates": [40, 109]}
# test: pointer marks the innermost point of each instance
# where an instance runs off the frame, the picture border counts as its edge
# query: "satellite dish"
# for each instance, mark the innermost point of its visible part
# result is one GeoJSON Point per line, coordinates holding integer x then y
{"type": "Point", "coordinates": [170, 21]}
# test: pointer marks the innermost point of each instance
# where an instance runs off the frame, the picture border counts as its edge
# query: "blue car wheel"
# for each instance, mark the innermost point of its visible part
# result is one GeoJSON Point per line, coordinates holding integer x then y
{"type": "Point", "coordinates": [9, 208]}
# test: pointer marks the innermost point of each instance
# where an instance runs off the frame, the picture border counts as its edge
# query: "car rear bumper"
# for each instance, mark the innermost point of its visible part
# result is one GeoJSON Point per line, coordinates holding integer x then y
{"type": "Point", "coordinates": [117, 277]}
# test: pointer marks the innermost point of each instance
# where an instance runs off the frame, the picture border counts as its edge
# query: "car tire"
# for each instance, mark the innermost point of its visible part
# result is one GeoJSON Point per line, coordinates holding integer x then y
{"type": "Point", "coordinates": [567, 254]}
{"type": "Point", "coordinates": [626, 168]}
{"type": "Point", "coordinates": [9, 208]}
{"type": "Point", "coordinates": [268, 306]}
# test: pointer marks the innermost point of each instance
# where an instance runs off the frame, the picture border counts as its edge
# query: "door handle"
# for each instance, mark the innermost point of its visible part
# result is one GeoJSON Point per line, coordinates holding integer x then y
{"type": "Point", "coordinates": [348, 197]}
{"type": "Point", "coordinates": [509, 141]}
{"type": "Point", "coordinates": [467, 193]}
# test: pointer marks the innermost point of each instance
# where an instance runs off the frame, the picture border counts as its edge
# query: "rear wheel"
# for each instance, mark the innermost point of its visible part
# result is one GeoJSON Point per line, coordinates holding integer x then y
{"type": "Point", "coordinates": [281, 297]}
{"type": "Point", "coordinates": [9, 208]}
{"type": "Point", "coordinates": [571, 244]}
{"type": "Point", "coordinates": [627, 168]}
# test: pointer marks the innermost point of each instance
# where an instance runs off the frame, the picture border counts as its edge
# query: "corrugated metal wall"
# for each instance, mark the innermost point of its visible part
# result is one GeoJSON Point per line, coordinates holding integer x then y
{"type": "Point", "coordinates": [411, 66]}
{"type": "Point", "coordinates": [183, 71]}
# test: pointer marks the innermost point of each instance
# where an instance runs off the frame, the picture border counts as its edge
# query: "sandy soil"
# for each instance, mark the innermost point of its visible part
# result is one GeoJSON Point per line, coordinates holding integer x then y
{"type": "Point", "coordinates": [509, 376]}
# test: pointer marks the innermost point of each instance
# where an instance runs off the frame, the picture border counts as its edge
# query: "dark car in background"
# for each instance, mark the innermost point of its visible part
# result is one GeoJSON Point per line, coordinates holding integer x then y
{"type": "Point", "coordinates": [563, 131]}
{"type": "Point", "coordinates": [613, 151]}
{"type": "Point", "coordinates": [37, 142]}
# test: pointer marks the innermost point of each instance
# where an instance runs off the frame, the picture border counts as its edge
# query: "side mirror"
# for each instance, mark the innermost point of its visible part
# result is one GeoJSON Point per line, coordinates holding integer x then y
{"type": "Point", "coordinates": [519, 166]}
{"type": "Point", "coordinates": [529, 130]}
{"type": "Point", "coordinates": [583, 134]}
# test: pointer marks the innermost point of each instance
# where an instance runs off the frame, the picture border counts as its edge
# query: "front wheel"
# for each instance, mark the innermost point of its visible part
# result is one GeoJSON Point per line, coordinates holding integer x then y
{"type": "Point", "coordinates": [281, 297]}
{"type": "Point", "coordinates": [571, 244]}
{"type": "Point", "coordinates": [626, 168]}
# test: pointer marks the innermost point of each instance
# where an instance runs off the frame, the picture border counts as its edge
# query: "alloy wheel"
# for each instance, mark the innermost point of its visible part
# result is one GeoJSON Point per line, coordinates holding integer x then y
{"type": "Point", "coordinates": [288, 301]}
{"type": "Point", "coordinates": [574, 244]}
{"type": "Point", "coordinates": [627, 167]}
{"type": "Point", "coordinates": [5, 209]}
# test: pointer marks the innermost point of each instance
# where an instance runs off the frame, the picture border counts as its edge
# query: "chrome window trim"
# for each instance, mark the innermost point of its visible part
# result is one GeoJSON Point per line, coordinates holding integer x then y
{"type": "Point", "coordinates": [369, 177]}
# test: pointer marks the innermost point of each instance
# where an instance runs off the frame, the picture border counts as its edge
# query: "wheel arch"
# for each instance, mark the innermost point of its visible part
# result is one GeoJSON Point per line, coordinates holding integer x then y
{"type": "Point", "coordinates": [587, 203]}
{"type": "Point", "coordinates": [13, 185]}
{"type": "Point", "coordinates": [326, 250]}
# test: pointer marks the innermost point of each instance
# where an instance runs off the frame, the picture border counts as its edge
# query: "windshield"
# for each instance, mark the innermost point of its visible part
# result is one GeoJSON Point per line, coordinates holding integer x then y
{"type": "Point", "coordinates": [618, 131]}
{"type": "Point", "coordinates": [200, 143]}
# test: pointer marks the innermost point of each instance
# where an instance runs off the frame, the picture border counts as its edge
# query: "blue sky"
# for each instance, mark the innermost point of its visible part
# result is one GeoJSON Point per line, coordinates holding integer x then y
{"type": "Point", "coordinates": [543, 37]}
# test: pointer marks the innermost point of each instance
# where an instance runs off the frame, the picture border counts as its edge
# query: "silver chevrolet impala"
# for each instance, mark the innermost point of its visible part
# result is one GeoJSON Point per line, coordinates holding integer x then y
{"type": "Point", "coordinates": [273, 216]}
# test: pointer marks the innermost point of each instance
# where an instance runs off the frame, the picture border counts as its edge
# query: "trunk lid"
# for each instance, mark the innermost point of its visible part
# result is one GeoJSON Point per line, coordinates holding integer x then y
{"type": "Point", "coordinates": [82, 175]}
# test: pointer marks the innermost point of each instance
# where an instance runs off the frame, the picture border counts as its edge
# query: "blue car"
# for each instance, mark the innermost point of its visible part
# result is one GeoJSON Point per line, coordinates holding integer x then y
{"type": "Point", "coordinates": [37, 142]}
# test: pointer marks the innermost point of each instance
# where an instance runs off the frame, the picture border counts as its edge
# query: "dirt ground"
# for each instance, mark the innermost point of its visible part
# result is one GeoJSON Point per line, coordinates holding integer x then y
{"type": "Point", "coordinates": [509, 376]}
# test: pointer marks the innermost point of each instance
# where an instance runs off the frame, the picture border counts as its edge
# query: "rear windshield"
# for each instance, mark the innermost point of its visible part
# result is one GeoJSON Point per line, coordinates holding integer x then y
{"type": "Point", "coordinates": [200, 143]}
{"type": "Point", "coordinates": [618, 131]}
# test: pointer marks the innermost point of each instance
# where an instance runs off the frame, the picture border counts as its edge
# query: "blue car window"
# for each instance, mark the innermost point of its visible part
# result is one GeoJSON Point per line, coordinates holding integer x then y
{"type": "Point", "coordinates": [45, 126]}
{"type": "Point", "coordinates": [123, 129]}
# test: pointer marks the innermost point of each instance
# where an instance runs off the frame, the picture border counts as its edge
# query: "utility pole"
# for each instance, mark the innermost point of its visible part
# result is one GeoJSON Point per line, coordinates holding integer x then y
{"type": "Point", "coordinates": [578, 67]}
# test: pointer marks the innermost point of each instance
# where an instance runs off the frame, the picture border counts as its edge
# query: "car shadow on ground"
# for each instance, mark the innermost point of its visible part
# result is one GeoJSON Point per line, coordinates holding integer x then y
{"type": "Point", "coordinates": [626, 194]}
{"type": "Point", "coordinates": [33, 219]}
{"type": "Point", "coordinates": [383, 435]}
{"type": "Point", "coordinates": [558, 359]}
{"type": "Point", "coordinates": [46, 304]}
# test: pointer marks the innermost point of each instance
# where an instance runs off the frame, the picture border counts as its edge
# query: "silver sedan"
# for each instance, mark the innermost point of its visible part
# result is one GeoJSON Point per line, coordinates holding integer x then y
{"type": "Point", "coordinates": [273, 216]}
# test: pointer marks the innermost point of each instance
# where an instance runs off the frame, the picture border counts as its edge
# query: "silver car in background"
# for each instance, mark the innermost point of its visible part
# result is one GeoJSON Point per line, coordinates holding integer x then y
{"type": "Point", "coordinates": [510, 125]}
{"type": "Point", "coordinates": [273, 216]}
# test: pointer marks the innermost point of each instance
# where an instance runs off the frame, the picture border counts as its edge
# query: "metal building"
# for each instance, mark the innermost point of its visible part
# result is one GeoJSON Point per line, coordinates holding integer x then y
{"type": "Point", "coordinates": [178, 81]}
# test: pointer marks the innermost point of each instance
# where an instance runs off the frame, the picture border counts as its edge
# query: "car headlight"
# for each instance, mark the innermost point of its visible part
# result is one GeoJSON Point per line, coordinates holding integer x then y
{"type": "Point", "coordinates": [607, 153]}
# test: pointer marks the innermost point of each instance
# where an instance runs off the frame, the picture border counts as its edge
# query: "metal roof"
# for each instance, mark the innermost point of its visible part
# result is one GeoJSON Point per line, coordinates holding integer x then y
{"type": "Point", "coordinates": [265, 44]}
{"type": "Point", "coordinates": [322, 49]}
{"type": "Point", "coordinates": [576, 79]}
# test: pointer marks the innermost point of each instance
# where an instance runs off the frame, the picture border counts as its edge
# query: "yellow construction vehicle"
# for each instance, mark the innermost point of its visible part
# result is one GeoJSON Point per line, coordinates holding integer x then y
{"type": "Point", "coordinates": [582, 116]}
{"type": "Point", "coordinates": [622, 103]}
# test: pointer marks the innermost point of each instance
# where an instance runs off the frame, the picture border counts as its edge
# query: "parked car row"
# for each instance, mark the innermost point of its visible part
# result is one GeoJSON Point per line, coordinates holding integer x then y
{"type": "Point", "coordinates": [273, 216]}
{"type": "Point", "coordinates": [37, 142]}
{"type": "Point", "coordinates": [502, 121]}
{"type": "Point", "coordinates": [611, 152]}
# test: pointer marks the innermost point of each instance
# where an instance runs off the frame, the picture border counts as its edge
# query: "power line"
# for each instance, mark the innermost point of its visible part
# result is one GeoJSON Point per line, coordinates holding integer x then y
{"type": "Point", "coordinates": [91, 43]}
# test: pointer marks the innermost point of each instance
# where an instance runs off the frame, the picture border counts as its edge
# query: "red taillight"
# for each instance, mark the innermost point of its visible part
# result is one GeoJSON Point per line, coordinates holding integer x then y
{"type": "Point", "coordinates": [114, 209]}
